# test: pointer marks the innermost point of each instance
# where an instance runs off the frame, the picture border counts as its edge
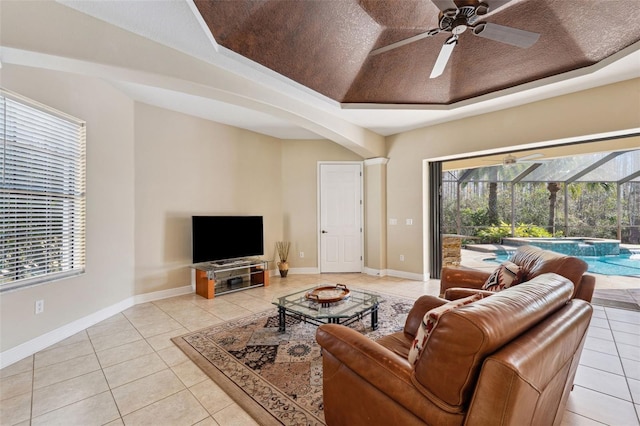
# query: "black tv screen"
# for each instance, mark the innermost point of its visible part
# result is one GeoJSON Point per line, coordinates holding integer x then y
{"type": "Point", "coordinates": [226, 237]}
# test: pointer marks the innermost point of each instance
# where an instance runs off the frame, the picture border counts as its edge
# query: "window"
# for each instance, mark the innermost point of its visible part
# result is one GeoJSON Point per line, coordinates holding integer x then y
{"type": "Point", "coordinates": [42, 193]}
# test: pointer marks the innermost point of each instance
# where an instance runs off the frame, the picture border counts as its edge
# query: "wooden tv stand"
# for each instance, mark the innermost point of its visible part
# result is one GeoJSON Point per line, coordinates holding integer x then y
{"type": "Point", "coordinates": [228, 276]}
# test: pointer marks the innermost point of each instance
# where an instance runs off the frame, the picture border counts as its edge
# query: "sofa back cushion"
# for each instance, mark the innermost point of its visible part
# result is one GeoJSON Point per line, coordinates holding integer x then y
{"type": "Point", "coordinates": [448, 367]}
{"type": "Point", "coordinates": [534, 261]}
{"type": "Point", "coordinates": [429, 322]}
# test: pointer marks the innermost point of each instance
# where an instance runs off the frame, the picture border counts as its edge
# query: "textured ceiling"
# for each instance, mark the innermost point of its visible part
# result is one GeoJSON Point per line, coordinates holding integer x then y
{"type": "Point", "coordinates": [326, 45]}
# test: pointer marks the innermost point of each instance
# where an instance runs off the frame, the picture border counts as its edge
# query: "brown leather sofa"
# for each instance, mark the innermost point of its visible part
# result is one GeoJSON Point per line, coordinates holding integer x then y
{"type": "Point", "coordinates": [455, 282]}
{"type": "Point", "coordinates": [508, 359]}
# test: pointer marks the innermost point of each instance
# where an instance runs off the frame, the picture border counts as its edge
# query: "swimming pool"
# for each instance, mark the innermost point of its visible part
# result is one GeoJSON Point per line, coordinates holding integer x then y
{"type": "Point", "coordinates": [573, 246]}
{"type": "Point", "coordinates": [627, 265]}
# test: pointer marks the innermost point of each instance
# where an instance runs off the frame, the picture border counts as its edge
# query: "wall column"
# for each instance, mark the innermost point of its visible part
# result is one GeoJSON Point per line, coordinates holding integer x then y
{"type": "Point", "coordinates": [375, 216]}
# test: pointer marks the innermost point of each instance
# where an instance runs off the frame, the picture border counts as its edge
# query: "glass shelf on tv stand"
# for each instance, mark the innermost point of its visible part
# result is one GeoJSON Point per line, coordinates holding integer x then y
{"type": "Point", "coordinates": [225, 276]}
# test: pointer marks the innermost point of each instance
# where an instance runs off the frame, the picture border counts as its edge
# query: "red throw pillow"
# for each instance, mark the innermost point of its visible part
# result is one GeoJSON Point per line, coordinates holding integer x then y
{"type": "Point", "coordinates": [506, 275]}
{"type": "Point", "coordinates": [429, 322]}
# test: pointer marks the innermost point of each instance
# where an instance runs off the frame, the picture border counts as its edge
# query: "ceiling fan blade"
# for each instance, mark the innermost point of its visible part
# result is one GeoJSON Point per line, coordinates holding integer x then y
{"type": "Point", "coordinates": [509, 35]}
{"type": "Point", "coordinates": [496, 4]}
{"type": "Point", "coordinates": [405, 41]}
{"type": "Point", "coordinates": [445, 4]}
{"type": "Point", "coordinates": [443, 57]}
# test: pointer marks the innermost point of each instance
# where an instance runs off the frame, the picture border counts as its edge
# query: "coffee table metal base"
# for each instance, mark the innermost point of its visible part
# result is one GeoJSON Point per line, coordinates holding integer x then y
{"type": "Point", "coordinates": [283, 312]}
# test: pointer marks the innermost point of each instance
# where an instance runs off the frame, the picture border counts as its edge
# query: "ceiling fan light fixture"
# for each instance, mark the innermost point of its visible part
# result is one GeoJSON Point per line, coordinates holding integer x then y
{"type": "Point", "coordinates": [482, 9]}
{"type": "Point", "coordinates": [479, 27]}
{"type": "Point", "coordinates": [450, 13]}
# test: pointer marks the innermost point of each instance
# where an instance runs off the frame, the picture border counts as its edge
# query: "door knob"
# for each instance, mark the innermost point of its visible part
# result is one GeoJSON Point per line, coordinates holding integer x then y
{"type": "Point", "coordinates": [324, 232]}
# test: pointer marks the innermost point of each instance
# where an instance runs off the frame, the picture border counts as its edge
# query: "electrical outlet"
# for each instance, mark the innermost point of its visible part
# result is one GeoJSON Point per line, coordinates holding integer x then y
{"type": "Point", "coordinates": [301, 254]}
{"type": "Point", "coordinates": [39, 306]}
{"type": "Point", "coordinates": [393, 221]}
{"type": "Point", "coordinates": [409, 221]}
{"type": "Point", "coordinates": [402, 258]}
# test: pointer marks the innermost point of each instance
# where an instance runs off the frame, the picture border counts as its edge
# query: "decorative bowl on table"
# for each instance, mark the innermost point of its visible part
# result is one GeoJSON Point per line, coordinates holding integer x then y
{"type": "Point", "coordinates": [328, 294]}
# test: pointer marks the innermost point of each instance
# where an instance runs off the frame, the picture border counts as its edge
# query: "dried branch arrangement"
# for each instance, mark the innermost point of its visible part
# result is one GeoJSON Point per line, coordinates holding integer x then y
{"type": "Point", "coordinates": [283, 250]}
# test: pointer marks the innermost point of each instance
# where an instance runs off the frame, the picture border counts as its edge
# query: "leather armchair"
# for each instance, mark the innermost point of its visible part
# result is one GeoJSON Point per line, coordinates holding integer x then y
{"type": "Point", "coordinates": [508, 359]}
{"type": "Point", "coordinates": [457, 282]}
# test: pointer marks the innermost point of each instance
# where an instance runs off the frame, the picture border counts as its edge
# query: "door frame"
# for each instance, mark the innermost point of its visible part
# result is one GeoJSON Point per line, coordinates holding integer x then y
{"type": "Point", "coordinates": [319, 210]}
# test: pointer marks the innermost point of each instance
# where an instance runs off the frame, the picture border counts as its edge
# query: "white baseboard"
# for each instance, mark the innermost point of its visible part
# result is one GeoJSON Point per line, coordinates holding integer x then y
{"type": "Point", "coordinates": [408, 275]}
{"type": "Point", "coordinates": [39, 343]}
{"type": "Point", "coordinates": [376, 272]}
{"type": "Point", "coordinates": [398, 274]}
{"type": "Point", "coordinates": [163, 294]}
{"type": "Point", "coordinates": [370, 271]}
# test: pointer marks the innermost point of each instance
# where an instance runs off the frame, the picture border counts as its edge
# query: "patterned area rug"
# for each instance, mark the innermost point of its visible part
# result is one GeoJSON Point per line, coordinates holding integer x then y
{"type": "Point", "coordinates": [276, 376]}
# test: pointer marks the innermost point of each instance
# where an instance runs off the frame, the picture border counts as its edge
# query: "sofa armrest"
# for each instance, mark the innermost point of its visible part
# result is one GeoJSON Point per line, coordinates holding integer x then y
{"type": "Point", "coordinates": [364, 382]}
{"type": "Point", "coordinates": [461, 277]}
{"type": "Point", "coordinates": [455, 293]}
{"type": "Point", "coordinates": [369, 359]}
{"type": "Point", "coordinates": [584, 289]}
{"type": "Point", "coordinates": [420, 307]}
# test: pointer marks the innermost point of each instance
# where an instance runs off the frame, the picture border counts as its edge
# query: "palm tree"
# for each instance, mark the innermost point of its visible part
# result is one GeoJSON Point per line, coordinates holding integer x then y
{"type": "Point", "coordinates": [492, 211]}
{"type": "Point", "coordinates": [553, 188]}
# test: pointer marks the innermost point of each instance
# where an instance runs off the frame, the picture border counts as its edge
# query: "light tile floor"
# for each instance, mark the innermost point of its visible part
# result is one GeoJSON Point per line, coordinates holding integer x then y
{"type": "Point", "coordinates": [125, 370]}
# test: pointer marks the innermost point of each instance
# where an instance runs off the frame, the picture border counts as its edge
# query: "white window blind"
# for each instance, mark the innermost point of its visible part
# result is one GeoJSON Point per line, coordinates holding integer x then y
{"type": "Point", "coordinates": [42, 193]}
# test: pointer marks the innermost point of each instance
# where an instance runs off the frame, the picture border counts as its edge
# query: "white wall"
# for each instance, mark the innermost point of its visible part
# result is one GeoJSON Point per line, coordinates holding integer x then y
{"type": "Point", "coordinates": [110, 206]}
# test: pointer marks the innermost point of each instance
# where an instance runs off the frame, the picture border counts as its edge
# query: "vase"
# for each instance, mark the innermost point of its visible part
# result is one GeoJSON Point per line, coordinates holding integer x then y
{"type": "Point", "coordinates": [283, 267]}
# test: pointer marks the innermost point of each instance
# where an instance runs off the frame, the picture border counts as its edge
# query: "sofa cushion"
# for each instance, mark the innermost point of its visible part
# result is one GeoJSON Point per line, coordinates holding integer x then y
{"type": "Point", "coordinates": [534, 261]}
{"type": "Point", "coordinates": [506, 275]}
{"type": "Point", "coordinates": [429, 322]}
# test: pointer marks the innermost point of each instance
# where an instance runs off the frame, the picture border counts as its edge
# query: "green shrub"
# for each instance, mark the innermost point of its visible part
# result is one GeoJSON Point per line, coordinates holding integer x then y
{"type": "Point", "coordinates": [495, 234]}
{"type": "Point", "coordinates": [529, 230]}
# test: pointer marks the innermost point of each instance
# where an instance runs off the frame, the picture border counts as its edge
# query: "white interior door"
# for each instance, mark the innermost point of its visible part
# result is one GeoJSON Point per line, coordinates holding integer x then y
{"type": "Point", "coordinates": [340, 217]}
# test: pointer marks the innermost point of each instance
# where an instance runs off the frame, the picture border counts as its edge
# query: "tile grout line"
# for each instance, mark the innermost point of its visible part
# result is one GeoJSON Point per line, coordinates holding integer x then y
{"type": "Point", "coordinates": [109, 385]}
{"type": "Point", "coordinates": [104, 375]}
{"type": "Point", "coordinates": [102, 368]}
{"type": "Point", "coordinates": [170, 369]}
{"type": "Point", "coordinates": [33, 380]}
{"type": "Point", "coordinates": [626, 378]}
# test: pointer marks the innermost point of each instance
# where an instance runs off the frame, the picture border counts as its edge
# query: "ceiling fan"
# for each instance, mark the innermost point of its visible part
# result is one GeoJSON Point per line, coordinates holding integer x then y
{"type": "Point", "coordinates": [456, 17]}
{"type": "Point", "coordinates": [531, 158]}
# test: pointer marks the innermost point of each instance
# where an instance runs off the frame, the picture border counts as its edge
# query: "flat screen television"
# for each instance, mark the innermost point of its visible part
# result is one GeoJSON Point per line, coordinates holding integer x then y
{"type": "Point", "coordinates": [216, 238]}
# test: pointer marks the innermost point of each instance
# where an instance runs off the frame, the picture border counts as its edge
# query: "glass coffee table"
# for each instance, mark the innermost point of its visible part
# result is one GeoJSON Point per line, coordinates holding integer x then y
{"type": "Point", "coordinates": [304, 306]}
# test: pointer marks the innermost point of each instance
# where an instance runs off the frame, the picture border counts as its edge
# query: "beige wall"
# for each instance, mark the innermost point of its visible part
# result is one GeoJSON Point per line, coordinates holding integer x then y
{"type": "Point", "coordinates": [148, 171]}
{"type": "Point", "coordinates": [110, 206]}
{"type": "Point", "coordinates": [189, 166]}
{"type": "Point", "coordinates": [375, 220]}
{"type": "Point", "coordinates": [300, 192]}
{"type": "Point", "coordinates": [605, 109]}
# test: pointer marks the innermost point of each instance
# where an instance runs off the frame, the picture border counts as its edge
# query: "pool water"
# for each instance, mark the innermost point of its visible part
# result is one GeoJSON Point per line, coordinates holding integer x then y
{"type": "Point", "coordinates": [627, 265]}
